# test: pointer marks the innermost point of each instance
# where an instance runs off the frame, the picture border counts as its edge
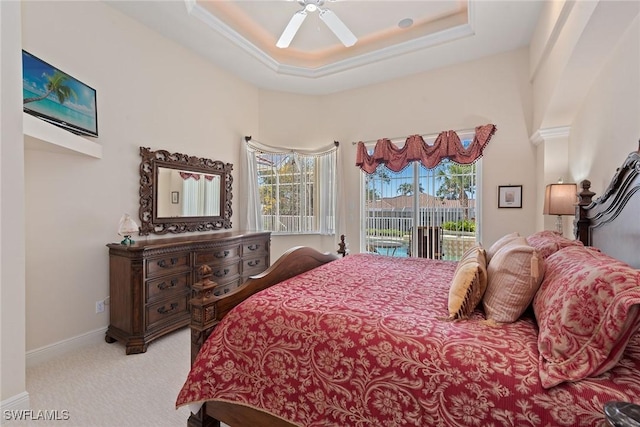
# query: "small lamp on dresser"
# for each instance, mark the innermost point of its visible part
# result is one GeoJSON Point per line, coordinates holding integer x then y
{"type": "Point", "coordinates": [560, 199]}
{"type": "Point", "coordinates": [126, 229]}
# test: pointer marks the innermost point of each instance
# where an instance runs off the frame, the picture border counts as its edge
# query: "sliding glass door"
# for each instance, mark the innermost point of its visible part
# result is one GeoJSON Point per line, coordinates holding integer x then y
{"type": "Point", "coordinates": [430, 213]}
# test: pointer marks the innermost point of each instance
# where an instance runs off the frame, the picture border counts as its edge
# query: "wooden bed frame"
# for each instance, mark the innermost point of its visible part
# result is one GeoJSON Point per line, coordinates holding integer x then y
{"type": "Point", "coordinates": [208, 310]}
{"type": "Point", "coordinates": [610, 222]}
{"type": "Point", "coordinates": [603, 222]}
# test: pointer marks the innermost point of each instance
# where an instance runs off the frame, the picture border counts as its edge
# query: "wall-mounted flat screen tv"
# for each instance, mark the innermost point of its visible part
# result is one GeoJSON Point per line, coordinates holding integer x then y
{"type": "Point", "coordinates": [58, 98]}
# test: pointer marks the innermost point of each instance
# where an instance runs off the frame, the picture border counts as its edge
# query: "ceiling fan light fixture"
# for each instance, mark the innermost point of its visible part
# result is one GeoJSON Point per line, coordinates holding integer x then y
{"type": "Point", "coordinates": [338, 28]}
{"type": "Point", "coordinates": [330, 19]}
{"type": "Point", "coordinates": [292, 28]}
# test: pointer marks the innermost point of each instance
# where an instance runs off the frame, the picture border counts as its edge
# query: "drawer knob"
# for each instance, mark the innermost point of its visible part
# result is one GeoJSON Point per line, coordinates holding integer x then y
{"type": "Point", "coordinates": [162, 286]}
{"type": "Point", "coordinates": [163, 262]}
{"type": "Point", "coordinates": [253, 247]}
{"type": "Point", "coordinates": [254, 262]}
{"type": "Point", "coordinates": [165, 310]}
{"type": "Point", "coordinates": [222, 254]}
{"type": "Point", "coordinates": [221, 273]}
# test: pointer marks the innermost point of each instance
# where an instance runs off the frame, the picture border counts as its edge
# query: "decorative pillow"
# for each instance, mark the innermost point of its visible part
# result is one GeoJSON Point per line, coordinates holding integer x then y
{"type": "Point", "coordinates": [500, 243]}
{"type": "Point", "coordinates": [547, 242]}
{"type": "Point", "coordinates": [587, 308]}
{"type": "Point", "coordinates": [514, 275]}
{"type": "Point", "coordinates": [468, 284]}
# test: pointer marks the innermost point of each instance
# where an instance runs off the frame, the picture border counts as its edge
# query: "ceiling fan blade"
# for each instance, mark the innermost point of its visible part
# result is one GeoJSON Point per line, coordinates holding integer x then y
{"type": "Point", "coordinates": [337, 26]}
{"type": "Point", "coordinates": [292, 28]}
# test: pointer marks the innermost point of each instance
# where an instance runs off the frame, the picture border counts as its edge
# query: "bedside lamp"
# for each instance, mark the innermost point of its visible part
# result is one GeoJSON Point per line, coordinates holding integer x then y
{"type": "Point", "coordinates": [560, 199]}
{"type": "Point", "coordinates": [126, 228]}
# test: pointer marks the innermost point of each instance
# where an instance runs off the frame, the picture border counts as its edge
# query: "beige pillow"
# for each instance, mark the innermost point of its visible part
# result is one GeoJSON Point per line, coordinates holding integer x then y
{"type": "Point", "coordinates": [500, 243]}
{"type": "Point", "coordinates": [514, 276]}
{"type": "Point", "coordinates": [468, 284]}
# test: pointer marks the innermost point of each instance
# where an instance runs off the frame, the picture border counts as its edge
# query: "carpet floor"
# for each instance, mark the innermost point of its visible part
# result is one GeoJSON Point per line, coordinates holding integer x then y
{"type": "Point", "coordinates": [99, 385]}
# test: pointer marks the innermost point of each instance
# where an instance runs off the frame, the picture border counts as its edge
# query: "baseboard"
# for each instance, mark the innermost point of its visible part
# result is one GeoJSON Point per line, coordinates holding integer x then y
{"type": "Point", "coordinates": [48, 352]}
{"type": "Point", "coordinates": [19, 402]}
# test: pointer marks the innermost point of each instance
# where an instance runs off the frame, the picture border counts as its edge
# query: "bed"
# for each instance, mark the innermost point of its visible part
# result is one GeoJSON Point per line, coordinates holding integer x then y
{"type": "Point", "coordinates": [534, 330]}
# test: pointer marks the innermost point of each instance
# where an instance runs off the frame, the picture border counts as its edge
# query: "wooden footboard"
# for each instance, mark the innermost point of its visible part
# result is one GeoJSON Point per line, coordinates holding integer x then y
{"type": "Point", "coordinates": [207, 310]}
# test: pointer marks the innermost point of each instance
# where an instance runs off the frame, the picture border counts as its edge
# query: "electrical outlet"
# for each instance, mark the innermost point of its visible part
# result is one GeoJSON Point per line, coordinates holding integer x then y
{"type": "Point", "coordinates": [99, 306]}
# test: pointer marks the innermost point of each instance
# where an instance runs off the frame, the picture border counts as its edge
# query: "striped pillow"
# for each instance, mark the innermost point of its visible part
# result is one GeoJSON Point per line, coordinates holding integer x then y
{"type": "Point", "coordinates": [500, 243]}
{"type": "Point", "coordinates": [514, 275]}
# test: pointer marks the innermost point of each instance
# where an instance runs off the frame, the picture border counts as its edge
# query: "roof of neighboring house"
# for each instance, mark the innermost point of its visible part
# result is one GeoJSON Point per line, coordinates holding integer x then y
{"type": "Point", "coordinates": [424, 200]}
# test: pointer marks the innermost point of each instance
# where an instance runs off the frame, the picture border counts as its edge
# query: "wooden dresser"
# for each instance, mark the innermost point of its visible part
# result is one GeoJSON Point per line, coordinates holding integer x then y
{"type": "Point", "coordinates": [150, 281]}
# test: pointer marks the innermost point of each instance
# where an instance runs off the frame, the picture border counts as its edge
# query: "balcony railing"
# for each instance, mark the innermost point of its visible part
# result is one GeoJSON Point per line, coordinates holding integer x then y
{"type": "Point", "coordinates": [393, 236]}
{"type": "Point", "coordinates": [385, 235]}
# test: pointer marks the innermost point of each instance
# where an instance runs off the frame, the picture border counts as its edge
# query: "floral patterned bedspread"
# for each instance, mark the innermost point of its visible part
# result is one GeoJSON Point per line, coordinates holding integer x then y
{"type": "Point", "coordinates": [361, 341]}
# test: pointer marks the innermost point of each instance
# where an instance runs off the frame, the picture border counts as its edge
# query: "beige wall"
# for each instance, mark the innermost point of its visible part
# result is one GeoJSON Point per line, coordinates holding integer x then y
{"type": "Point", "coordinates": [12, 247]}
{"type": "Point", "coordinates": [607, 126]}
{"type": "Point", "coordinates": [585, 67]}
{"type": "Point", "coordinates": [491, 90]}
{"type": "Point", "coordinates": [152, 93]}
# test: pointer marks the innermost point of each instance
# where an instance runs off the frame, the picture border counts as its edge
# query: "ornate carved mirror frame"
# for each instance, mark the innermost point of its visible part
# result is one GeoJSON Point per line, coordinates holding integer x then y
{"type": "Point", "coordinates": [155, 161]}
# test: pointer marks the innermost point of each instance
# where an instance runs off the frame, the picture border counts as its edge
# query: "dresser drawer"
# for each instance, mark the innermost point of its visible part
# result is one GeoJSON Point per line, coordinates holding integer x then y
{"type": "Point", "coordinates": [167, 264]}
{"type": "Point", "coordinates": [150, 281]}
{"type": "Point", "coordinates": [217, 256]}
{"type": "Point", "coordinates": [165, 287]}
{"type": "Point", "coordinates": [224, 273]}
{"type": "Point", "coordinates": [254, 265]}
{"type": "Point", "coordinates": [226, 288]}
{"type": "Point", "coordinates": [256, 247]}
{"type": "Point", "coordinates": [167, 310]}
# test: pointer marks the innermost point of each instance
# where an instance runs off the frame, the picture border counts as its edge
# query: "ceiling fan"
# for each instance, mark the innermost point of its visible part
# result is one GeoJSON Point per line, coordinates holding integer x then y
{"type": "Point", "coordinates": [331, 19]}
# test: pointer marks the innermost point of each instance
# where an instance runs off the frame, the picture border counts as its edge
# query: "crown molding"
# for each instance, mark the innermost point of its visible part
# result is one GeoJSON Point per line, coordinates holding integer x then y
{"type": "Point", "coordinates": [197, 11]}
{"type": "Point", "coordinates": [542, 135]}
{"type": "Point", "coordinates": [448, 35]}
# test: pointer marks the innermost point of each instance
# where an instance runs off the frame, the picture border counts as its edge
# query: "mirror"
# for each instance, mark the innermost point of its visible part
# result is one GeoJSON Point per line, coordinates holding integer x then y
{"type": "Point", "coordinates": [180, 193]}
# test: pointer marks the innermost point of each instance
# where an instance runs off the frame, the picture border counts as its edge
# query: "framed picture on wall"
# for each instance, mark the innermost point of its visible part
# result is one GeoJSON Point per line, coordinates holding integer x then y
{"type": "Point", "coordinates": [175, 197]}
{"type": "Point", "coordinates": [510, 196]}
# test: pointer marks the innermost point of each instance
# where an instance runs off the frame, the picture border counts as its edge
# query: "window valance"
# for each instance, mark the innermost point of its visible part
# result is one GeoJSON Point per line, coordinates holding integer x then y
{"type": "Point", "coordinates": [446, 146]}
{"type": "Point", "coordinates": [186, 175]}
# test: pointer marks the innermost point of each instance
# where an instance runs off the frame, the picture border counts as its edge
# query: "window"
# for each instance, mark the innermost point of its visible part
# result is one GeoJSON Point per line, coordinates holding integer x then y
{"type": "Point", "coordinates": [439, 220]}
{"type": "Point", "coordinates": [296, 190]}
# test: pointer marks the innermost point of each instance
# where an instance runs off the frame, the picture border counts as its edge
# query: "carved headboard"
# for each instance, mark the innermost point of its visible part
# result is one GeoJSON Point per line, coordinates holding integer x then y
{"type": "Point", "coordinates": [611, 222]}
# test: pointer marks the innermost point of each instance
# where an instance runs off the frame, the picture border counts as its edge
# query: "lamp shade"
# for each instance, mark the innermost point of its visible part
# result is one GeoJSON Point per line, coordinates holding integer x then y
{"type": "Point", "coordinates": [127, 226]}
{"type": "Point", "coordinates": [560, 199]}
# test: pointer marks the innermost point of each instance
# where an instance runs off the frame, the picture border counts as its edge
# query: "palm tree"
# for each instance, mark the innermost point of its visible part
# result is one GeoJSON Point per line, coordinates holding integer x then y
{"type": "Point", "coordinates": [406, 188]}
{"type": "Point", "coordinates": [55, 84]}
{"type": "Point", "coordinates": [457, 184]}
{"type": "Point", "coordinates": [380, 173]}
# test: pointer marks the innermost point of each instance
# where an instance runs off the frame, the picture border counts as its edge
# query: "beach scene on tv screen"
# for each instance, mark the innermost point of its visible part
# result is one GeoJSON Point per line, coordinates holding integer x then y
{"type": "Point", "coordinates": [49, 92]}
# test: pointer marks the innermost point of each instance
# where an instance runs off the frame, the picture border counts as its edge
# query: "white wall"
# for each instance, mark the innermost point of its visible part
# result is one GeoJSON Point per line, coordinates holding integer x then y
{"type": "Point", "coordinates": [151, 92]}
